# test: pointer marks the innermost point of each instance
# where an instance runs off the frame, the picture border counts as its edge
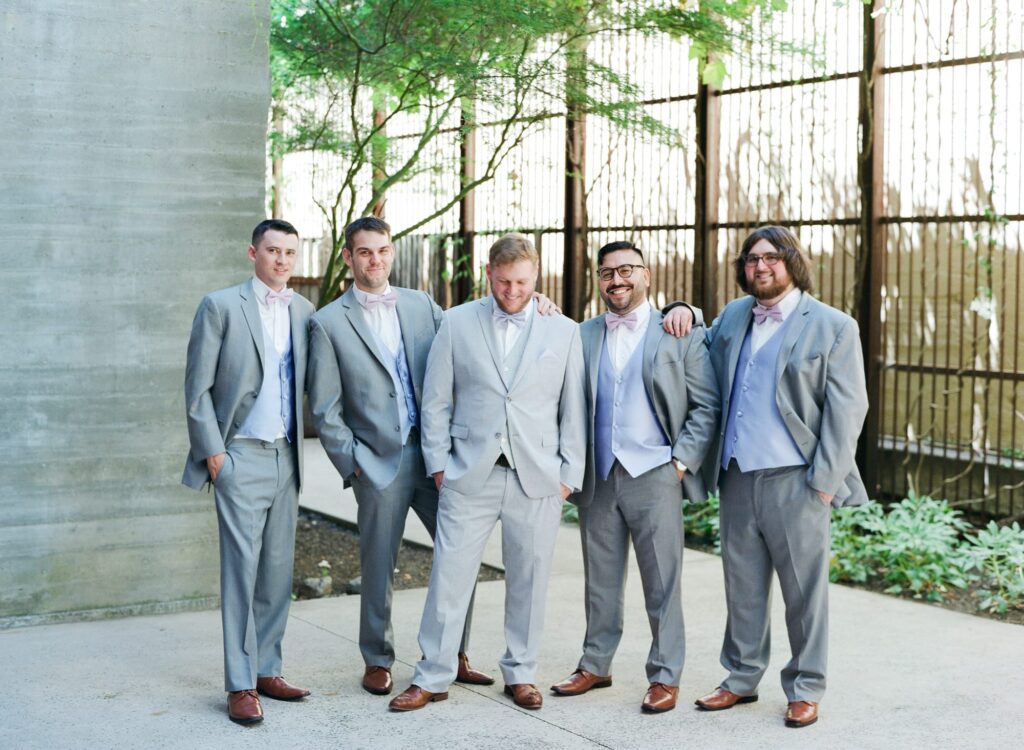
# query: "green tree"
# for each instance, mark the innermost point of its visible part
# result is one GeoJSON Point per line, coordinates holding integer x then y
{"type": "Point", "coordinates": [345, 73]}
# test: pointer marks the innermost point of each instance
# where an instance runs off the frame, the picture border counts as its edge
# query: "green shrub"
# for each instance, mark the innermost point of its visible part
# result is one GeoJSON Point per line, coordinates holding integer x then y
{"type": "Point", "coordinates": [700, 521]}
{"type": "Point", "coordinates": [916, 552]}
{"type": "Point", "coordinates": [570, 513]}
{"type": "Point", "coordinates": [997, 554]}
{"type": "Point", "coordinates": [854, 531]}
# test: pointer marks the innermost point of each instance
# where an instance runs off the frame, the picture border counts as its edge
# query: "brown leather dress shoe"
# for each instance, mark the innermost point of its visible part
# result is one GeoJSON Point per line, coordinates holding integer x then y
{"type": "Point", "coordinates": [279, 689]}
{"type": "Point", "coordinates": [801, 714]}
{"type": "Point", "coordinates": [660, 698]}
{"type": "Point", "coordinates": [525, 695]}
{"type": "Point", "coordinates": [580, 682]}
{"type": "Point", "coordinates": [469, 675]}
{"type": "Point", "coordinates": [377, 680]}
{"type": "Point", "coordinates": [414, 698]}
{"type": "Point", "coordinates": [244, 707]}
{"type": "Point", "coordinates": [722, 699]}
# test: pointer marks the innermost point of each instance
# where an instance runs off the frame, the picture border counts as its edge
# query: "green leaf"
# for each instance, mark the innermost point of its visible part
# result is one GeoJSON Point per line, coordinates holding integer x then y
{"type": "Point", "coordinates": [714, 73]}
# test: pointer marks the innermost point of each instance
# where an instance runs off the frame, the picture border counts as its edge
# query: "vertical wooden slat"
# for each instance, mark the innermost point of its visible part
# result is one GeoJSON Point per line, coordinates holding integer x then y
{"type": "Point", "coordinates": [464, 268]}
{"type": "Point", "coordinates": [705, 253]}
{"type": "Point", "coordinates": [575, 264]}
{"type": "Point", "coordinates": [870, 168]}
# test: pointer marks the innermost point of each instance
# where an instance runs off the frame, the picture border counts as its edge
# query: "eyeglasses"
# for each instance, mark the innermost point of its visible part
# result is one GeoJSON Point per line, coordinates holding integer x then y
{"type": "Point", "coordinates": [770, 259]}
{"type": "Point", "coordinates": [624, 271]}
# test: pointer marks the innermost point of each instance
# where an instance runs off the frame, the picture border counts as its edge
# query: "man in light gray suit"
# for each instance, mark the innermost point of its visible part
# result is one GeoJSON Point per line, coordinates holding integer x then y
{"type": "Point", "coordinates": [367, 355]}
{"type": "Point", "coordinates": [504, 437]}
{"type": "Point", "coordinates": [793, 389]}
{"type": "Point", "coordinates": [244, 379]}
{"type": "Point", "coordinates": [653, 410]}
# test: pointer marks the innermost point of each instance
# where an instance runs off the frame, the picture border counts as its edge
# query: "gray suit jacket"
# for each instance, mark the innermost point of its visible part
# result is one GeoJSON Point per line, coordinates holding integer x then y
{"type": "Point", "coordinates": [820, 388]}
{"type": "Point", "coordinates": [224, 372]}
{"type": "Point", "coordinates": [682, 388]}
{"type": "Point", "coordinates": [351, 395]}
{"type": "Point", "coordinates": [467, 403]}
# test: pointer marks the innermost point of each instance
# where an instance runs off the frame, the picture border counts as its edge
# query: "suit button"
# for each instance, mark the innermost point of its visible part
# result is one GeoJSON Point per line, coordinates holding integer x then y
{"type": "Point", "coordinates": [739, 414]}
{"type": "Point", "coordinates": [254, 394]}
{"type": "Point", "coordinates": [497, 436]}
{"type": "Point", "coordinates": [238, 424]}
{"type": "Point", "coordinates": [392, 394]}
{"type": "Point", "coordinates": [508, 398]}
{"type": "Point", "coordinates": [398, 428]}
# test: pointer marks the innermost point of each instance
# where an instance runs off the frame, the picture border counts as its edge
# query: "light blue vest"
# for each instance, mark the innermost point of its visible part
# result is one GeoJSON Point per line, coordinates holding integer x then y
{"type": "Point", "coordinates": [509, 369]}
{"type": "Point", "coordinates": [755, 434]}
{"type": "Point", "coordinates": [398, 369]}
{"type": "Point", "coordinates": [625, 425]}
{"type": "Point", "coordinates": [275, 405]}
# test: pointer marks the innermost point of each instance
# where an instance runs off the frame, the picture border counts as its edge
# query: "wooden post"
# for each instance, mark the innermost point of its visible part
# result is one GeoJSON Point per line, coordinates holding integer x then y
{"type": "Point", "coordinates": [872, 251]}
{"type": "Point", "coordinates": [576, 265]}
{"type": "Point", "coordinates": [705, 253]}
{"type": "Point", "coordinates": [465, 271]}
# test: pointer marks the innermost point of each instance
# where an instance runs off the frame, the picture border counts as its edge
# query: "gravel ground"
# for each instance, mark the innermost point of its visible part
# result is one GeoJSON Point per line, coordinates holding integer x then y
{"type": "Point", "coordinates": [320, 538]}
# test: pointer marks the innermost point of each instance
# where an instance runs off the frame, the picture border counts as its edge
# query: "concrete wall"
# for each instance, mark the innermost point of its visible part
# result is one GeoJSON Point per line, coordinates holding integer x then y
{"type": "Point", "coordinates": [131, 172]}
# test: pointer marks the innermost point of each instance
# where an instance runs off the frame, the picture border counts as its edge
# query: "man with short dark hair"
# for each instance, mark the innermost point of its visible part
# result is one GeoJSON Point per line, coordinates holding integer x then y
{"type": "Point", "coordinates": [653, 408]}
{"type": "Point", "coordinates": [244, 379]}
{"type": "Point", "coordinates": [794, 399]}
{"type": "Point", "coordinates": [504, 437]}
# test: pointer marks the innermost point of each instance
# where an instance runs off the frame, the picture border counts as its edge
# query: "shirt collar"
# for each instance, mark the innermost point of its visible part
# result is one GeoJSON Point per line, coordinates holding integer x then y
{"type": "Point", "coordinates": [528, 310]}
{"type": "Point", "coordinates": [261, 290]}
{"type": "Point", "coordinates": [362, 297]}
{"type": "Point", "coordinates": [643, 315]}
{"type": "Point", "coordinates": [788, 304]}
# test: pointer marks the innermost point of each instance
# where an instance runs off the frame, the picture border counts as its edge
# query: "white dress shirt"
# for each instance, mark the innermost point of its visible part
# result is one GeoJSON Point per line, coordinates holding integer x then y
{"type": "Point", "coordinates": [382, 319]}
{"type": "Point", "coordinates": [275, 317]}
{"type": "Point", "coordinates": [622, 342]}
{"type": "Point", "coordinates": [764, 331]}
{"type": "Point", "coordinates": [507, 334]}
{"type": "Point", "coordinates": [277, 325]}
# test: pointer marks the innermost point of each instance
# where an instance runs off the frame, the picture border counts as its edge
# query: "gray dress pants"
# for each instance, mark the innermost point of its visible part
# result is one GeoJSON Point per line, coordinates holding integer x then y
{"type": "Point", "coordinates": [257, 497]}
{"type": "Point", "coordinates": [381, 518]}
{"type": "Point", "coordinates": [771, 520]}
{"type": "Point", "coordinates": [648, 510]}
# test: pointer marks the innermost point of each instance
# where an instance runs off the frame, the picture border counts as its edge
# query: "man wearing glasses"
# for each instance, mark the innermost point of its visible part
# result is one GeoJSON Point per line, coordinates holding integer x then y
{"type": "Point", "coordinates": [653, 409]}
{"type": "Point", "coordinates": [793, 392]}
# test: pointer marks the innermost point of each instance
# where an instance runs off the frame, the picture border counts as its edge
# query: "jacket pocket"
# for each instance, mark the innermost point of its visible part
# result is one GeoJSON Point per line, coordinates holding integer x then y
{"type": "Point", "coordinates": [460, 431]}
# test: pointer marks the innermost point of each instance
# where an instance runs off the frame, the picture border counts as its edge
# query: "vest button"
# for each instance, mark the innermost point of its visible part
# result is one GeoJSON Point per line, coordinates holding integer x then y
{"type": "Point", "coordinates": [508, 398]}
{"type": "Point", "coordinates": [392, 394]}
{"type": "Point", "coordinates": [398, 428]}
{"type": "Point", "coordinates": [739, 414]}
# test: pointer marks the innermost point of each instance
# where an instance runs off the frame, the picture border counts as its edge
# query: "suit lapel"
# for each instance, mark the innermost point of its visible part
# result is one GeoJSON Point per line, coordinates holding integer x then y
{"type": "Point", "coordinates": [737, 332]}
{"type": "Point", "coordinates": [596, 335]}
{"type": "Point", "coordinates": [651, 340]}
{"type": "Point", "coordinates": [251, 311]}
{"type": "Point", "coordinates": [534, 343]}
{"type": "Point", "coordinates": [793, 333]}
{"type": "Point", "coordinates": [406, 323]}
{"type": "Point", "coordinates": [354, 313]}
{"type": "Point", "coordinates": [484, 308]}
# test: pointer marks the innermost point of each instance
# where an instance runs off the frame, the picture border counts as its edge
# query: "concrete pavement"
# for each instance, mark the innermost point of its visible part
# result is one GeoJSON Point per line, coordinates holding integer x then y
{"type": "Point", "coordinates": [901, 675]}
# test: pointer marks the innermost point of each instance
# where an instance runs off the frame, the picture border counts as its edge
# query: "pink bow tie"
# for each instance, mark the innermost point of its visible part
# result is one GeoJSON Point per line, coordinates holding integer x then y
{"type": "Point", "coordinates": [517, 319]}
{"type": "Point", "coordinates": [613, 321]}
{"type": "Point", "coordinates": [284, 297]}
{"type": "Point", "coordinates": [761, 314]}
{"type": "Point", "coordinates": [373, 301]}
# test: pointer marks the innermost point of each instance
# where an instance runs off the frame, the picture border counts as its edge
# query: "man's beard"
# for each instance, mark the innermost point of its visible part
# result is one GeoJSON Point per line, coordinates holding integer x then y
{"type": "Point", "coordinates": [773, 290]}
